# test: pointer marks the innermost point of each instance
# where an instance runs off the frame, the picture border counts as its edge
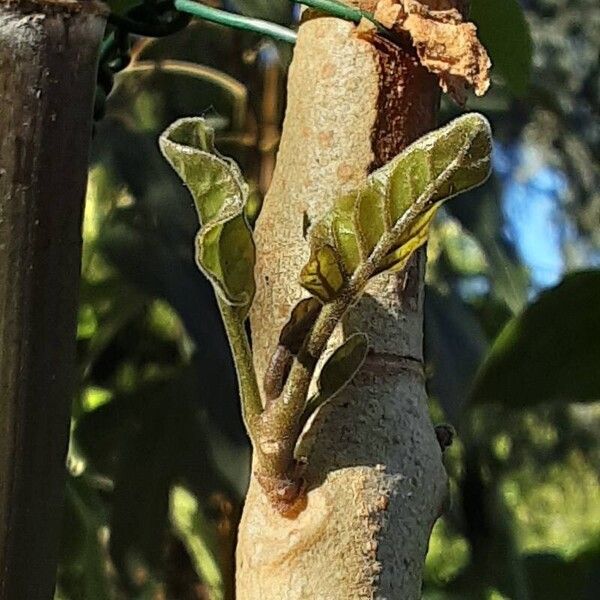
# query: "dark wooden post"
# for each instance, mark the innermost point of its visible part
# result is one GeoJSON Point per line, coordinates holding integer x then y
{"type": "Point", "coordinates": [48, 62]}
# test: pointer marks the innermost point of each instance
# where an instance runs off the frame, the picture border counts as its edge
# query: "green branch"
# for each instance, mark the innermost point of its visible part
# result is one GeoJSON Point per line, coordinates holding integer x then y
{"type": "Point", "coordinates": [373, 230]}
{"type": "Point", "coordinates": [242, 357]}
{"type": "Point", "coordinates": [282, 421]}
{"type": "Point", "coordinates": [225, 250]}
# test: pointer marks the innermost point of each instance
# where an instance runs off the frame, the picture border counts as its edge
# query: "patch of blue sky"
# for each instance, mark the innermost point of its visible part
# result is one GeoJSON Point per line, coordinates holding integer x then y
{"type": "Point", "coordinates": [533, 195]}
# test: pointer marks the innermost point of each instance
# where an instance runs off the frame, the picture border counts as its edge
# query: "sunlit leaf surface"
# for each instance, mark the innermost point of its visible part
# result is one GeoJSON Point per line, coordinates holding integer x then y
{"type": "Point", "coordinates": [224, 247]}
{"type": "Point", "coordinates": [377, 227]}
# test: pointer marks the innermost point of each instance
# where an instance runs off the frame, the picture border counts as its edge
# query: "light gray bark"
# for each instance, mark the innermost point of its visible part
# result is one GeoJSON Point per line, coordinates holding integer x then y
{"type": "Point", "coordinates": [375, 475]}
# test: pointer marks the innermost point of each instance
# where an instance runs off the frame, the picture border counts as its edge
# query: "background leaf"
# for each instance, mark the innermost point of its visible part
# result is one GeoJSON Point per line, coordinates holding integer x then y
{"type": "Point", "coordinates": [454, 346]}
{"type": "Point", "coordinates": [550, 352]}
{"type": "Point", "coordinates": [505, 34]}
{"type": "Point", "coordinates": [556, 576]}
{"type": "Point", "coordinates": [279, 12]}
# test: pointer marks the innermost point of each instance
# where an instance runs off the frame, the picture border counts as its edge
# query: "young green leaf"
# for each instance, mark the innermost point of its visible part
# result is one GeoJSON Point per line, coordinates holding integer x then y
{"type": "Point", "coordinates": [224, 247]}
{"type": "Point", "coordinates": [338, 372]}
{"type": "Point", "coordinates": [292, 336]}
{"type": "Point", "coordinates": [377, 227]}
{"type": "Point", "coordinates": [303, 317]}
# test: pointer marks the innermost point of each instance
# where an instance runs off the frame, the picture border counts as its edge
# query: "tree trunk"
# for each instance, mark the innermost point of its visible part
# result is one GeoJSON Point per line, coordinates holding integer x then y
{"type": "Point", "coordinates": [375, 475]}
{"type": "Point", "coordinates": [48, 60]}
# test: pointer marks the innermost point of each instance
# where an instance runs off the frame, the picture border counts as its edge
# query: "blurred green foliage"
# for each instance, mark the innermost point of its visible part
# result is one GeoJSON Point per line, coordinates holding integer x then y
{"type": "Point", "coordinates": [158, 459]}
{"type": "Point", "coordinates": [504, 32]}
{"type": "Point", "coordinates": [548, 359]}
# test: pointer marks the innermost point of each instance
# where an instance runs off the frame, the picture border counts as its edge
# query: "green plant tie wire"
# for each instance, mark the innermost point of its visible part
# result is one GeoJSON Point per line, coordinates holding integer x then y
{"type": "Point", "coordinates": [341, 11]}
{"type": "Point", "coordinates": [215, 15]}
{"type": "Point", "coordinates": [147, 19]}
{"type": "Point", "coordinates": [235, 21]}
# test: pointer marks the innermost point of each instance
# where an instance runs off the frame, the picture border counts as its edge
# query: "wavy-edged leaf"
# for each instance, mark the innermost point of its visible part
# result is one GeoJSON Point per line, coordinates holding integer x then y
{"type": "Point", "coordinates": [377, 227]}
{"type": "Point", "coordinates": [338, 372]}
{"type": "Point", "coordinates": [224, 247]}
